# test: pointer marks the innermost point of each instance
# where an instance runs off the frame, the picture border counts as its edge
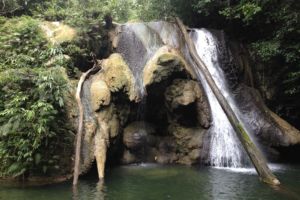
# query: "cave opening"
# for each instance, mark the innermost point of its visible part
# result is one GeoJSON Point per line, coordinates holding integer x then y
{"type": "Point", "coordinates": [156, 132]}
{"type": "Point", "coordinates": [153, 109]}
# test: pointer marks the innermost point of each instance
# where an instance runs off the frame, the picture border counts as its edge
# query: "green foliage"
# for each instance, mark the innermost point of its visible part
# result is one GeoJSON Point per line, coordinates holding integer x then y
{"type": "Point", "coordinates": [74, 10]}
{"type": "Point", "coordinates": [32, 87]}
{"type": "Point", "coordinates": [244, 11]}
{"type": "Point", "coordinates": [148, 10]}
{"type": "Point", "coordinates": [266, 49]}
{"type": "Point", "coordinates": [22, 44]}
{"type": "Point", "coordinates": [31, 120]}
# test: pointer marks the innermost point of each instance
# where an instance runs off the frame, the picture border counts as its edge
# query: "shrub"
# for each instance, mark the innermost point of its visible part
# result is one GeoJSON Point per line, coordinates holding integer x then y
{"type": "Point", "coordinates": [32, 124]}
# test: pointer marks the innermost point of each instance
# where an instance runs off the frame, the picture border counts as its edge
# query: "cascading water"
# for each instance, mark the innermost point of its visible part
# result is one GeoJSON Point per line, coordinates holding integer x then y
{"type": "Point", "coordinates": [225, 149]}
{"type": "Point", "coordinates": [137, 44]}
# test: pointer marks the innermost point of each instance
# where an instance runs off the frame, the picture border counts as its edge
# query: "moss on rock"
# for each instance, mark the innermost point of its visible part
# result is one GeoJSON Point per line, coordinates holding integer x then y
{"type": "Point", "coordinates": [166, 61]}
{"type": "Point", "coordinates": [118, 76]}
{"type": "Point", "coordinates": [100, 93]}
{"type": "Point", "coordinates": [57, 32]}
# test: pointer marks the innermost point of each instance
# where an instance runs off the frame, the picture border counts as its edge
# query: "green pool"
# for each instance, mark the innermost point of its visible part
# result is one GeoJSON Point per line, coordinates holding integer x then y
{"type": "Point", "coordinates": [155, 182]}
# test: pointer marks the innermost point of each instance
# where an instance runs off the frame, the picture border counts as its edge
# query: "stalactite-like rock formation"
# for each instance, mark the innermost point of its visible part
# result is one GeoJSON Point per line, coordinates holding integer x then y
{"type": "Point", "coordinates": [146, 104]}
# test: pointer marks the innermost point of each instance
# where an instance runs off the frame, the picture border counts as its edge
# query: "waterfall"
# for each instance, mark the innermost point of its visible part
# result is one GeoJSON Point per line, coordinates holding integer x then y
{"type": "Point", "coordinates": [139, 41]}
{"type": "Point", "coordinates": [225, 149]}
{"type": "Point", "coordinates": [137, 44]}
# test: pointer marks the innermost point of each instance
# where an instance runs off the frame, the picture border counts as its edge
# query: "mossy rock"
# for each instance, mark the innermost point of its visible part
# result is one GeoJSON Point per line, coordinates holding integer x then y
{"type": "Point", "coordinates": [182, 92]}
{"type": "Point", "coordinates": [166, 61]}
{"type": "Point", "coordinates": [100, 93]}
{"type": "Point", "coordinates": [57, 32]}
{"type": "Point", "coordinates": [118, 76]}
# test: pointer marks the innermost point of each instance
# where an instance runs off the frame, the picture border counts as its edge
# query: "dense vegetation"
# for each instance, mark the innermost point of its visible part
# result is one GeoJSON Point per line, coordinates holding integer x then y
{"type": "Point", "coordinates": [32, 124]}
{"type": "Point", "coordinates": [32, 118]}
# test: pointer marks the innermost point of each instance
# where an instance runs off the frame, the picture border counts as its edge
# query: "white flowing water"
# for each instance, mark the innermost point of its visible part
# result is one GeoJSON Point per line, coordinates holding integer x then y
{"type": "Point", "coordinates": [225, 149]}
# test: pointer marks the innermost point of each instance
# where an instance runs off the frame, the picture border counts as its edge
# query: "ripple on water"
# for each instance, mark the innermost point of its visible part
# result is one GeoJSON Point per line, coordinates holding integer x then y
{"type": "Point", "coordinates": [155, 182]}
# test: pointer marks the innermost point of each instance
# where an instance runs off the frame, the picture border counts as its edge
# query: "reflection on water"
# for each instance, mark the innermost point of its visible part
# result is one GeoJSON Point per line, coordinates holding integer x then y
{"type": "Point", "coordinates": [153, 182]}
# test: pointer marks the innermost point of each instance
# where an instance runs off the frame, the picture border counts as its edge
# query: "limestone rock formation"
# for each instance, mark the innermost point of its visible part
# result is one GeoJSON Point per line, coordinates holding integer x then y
{"type": "Point", "coordinates": [291, 134]}
{"type": "Point", "coordinates": [100, 93]}
{"type": "Point", "coordinates": [146, 104]}
{"type": "Point", "coordinates": [144, 144]}
{"type": "Point", "coordinates": [185, 92]}
{"type": "Point", "coordinates": [136, 134]}
{"type": "Point", "coordinates": [188, 142]}
{"type": "Point", "coordinates": [165, 61]}
{"type": "Point", "coordinates": [118, 76]}
{"type": "Point", "coordinates": [103, 118]}
{"type": "Point", "coordinates": [112, 95]}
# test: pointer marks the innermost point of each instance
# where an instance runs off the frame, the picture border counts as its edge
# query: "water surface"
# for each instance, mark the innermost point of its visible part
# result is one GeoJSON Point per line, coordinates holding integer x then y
{"type": "Point", "coordinates": [154, 182]}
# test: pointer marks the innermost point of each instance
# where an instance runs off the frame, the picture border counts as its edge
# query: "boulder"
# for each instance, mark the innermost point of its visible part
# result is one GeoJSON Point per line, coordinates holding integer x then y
{"type": "Point", "coordinates": [291, 134]}
{"type": "Point", "coordinates": [184, 92]}
{"type": "Point", "coordinates": [166, 158]}
{"type": "Point", "coordinates": [136, 134]}
{"type": "Point", "coordinates": [189, 143]}
{"type": "Point", "coordinates": [128, 158]}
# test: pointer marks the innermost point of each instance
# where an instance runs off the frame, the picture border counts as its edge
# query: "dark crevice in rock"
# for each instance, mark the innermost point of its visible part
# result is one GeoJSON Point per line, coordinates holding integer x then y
{"type": "Point", "coordinates": [187, 115]}
{"type": "Point", "coordinates": [289, 154]}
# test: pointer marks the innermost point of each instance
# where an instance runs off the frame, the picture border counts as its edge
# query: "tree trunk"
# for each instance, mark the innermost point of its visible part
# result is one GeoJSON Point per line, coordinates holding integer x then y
{"type": "Point", "coordinates": [254, 154]}
{"type": "Point", "coordinates": [80, 123]}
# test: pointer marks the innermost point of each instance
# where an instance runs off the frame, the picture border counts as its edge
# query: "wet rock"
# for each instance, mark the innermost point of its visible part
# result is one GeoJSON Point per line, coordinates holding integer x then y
{"type": "Point", "coordinates": [118, 76]}
{"type": "Point", "coordinates": [189, 142]}
{"type": "Point", "coordinates": [136, 135]}
{"type": "Point", "coordinates": [291, 134]}
{"type": "Point", "coordinates": [184, 92]}
{"type": "Point", "coordinates": [195, 155]}
{"type": "Point", "coordinates": [269, 128]}
{"type": "Point", "coordinates": [166, 158]}
{"type": "Point", "coordinates": [165, 62]}
{"type": "Point", "coordinates": [100, 93]}
{"type": "Point", "coordinates": [129, 158]}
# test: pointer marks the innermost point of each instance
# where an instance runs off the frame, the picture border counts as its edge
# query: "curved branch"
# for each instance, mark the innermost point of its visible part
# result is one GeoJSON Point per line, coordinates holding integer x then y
{"type": "Point", "coordinates": [83, 77]}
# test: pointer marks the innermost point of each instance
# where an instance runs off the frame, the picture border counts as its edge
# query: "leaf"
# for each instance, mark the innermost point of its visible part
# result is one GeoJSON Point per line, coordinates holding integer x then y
{"type": "Point", "coordinates": [16, 169]}
{"type": "Point", "coordinates": [37, 158]}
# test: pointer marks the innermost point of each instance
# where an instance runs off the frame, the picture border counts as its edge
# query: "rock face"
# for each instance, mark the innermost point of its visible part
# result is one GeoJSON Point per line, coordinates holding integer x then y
{"type": "Point", "coordinates": [244, 77]}
{"type": "Point", "coordinates": [186, 92]}
{"type": "Point", "coordinates": [100, 94]}
{"type": "Point", "coordinates": [103, 118]}
{"type": "Point", "coordinates": [145, 104]}
{"type": "Point", "coordinates": [144, 144]}
{"type": "Point", "coordinates": [165, 61]}
{"type": "Point", "coordinates": [136, 135]}
{"type": "Point", "coordinates": [112, 102]}
{"type": "Point", "coordinates": [118, 76]}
